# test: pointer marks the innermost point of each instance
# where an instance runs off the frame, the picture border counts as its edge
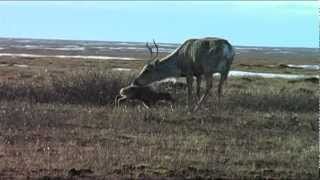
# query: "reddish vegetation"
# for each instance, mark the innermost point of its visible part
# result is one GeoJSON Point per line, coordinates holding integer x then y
{"type": "Point", "coordinates": [58, 121]}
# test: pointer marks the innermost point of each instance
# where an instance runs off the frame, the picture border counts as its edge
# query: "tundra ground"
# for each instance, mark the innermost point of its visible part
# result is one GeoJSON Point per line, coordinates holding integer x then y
{"type": "Point", "coordinates": [57, 119]}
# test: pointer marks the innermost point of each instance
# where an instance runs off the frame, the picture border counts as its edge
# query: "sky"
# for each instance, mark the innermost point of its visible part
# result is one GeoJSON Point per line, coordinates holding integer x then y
{"type": "Point", "coordinates": [247, 23]}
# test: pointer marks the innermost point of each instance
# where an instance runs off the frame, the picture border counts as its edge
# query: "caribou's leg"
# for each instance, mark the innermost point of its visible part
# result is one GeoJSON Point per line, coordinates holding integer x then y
{"type": "Point", "coordinates": [122, 98]}
{"type": "Point", "coordinates": [189, 83]}
{"type": "Point", "coordinates": [209, 79]}
{"type": "Point", "coordinates": [116, 100]}
{"type": "Point", "coordinates": [198, 86]}
{"type": "Point", "coordinates": [146, 105]}
{"type": "Point", "coordinates": [223, 77]}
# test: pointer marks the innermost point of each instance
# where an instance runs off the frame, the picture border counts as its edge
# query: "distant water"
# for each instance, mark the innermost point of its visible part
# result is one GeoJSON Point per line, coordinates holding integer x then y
{"type": "Point", "coordinates": [99, 46]}
{"type": "Point", "coordinates": [65, 56]}
{"type": "Point", "coordinates": [42, 47]}
{"type": "Point", "coordinates": [236, 73]}
{"type": "Point", "coordinates": [311, 67]}
{"type": "Point", "coordinates": [65, 46]}
{"type": "Point", "coordinates": [269, 75]}
{"type": "Point", "coordinates": [248, 48]}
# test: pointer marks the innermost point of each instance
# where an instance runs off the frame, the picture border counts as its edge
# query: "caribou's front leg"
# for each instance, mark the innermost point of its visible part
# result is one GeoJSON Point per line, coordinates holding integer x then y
{"type": "Point", "coordinates": [209, 79]}
{"type": "Point", "coordinates": [116, 100]}
{"type": "Point", "coordinates": [189, 83]}
{"type": "Point", "coordinates": [146, 105]}
{"type": "Point", "coordinates": [122, 98]}
{"type": "Point", "coordinates": [198, 86]}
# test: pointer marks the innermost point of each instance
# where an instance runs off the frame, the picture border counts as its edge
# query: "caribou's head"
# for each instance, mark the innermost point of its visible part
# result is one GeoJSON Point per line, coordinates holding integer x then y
{"type": "Point", "coordinates": [150, 72]}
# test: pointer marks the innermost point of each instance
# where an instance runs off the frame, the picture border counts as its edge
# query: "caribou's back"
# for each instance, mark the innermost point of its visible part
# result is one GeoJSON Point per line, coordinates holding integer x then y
{"type": "Point", "coordinates": [207, 55]}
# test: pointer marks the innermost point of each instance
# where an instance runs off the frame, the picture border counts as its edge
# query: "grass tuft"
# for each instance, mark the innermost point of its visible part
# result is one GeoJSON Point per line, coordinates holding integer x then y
{"type": "Point", "coordinates": [87, 87]}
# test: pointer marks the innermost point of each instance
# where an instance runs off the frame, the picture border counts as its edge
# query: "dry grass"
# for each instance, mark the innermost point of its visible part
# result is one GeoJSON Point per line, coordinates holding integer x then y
{"type": "Point", "coordinates": [262, 129]}
{"type": "Point", "coordinates": [75, 88]}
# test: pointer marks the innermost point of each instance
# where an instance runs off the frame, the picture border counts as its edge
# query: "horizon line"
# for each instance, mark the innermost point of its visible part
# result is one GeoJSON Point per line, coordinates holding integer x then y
{"type": "Point", "coordinates": [66, 39]}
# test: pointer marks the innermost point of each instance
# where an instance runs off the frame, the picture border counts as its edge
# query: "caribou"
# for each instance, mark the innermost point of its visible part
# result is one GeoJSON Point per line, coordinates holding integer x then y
{"type": "Point", "coordinates": [144, 94]}
{"type": "Point", "coordinates": [195, 57]}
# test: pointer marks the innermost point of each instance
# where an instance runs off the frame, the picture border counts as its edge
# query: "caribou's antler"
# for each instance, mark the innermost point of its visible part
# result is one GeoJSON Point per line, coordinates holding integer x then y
{"type": "Point", "coordinates": [157, 47]}
{"type": "Point", "coordinates": [151, 52]}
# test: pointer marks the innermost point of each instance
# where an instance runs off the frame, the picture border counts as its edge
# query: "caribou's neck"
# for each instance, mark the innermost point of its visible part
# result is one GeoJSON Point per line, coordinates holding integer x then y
{"type": "Point", "coordinates": [169, 66]}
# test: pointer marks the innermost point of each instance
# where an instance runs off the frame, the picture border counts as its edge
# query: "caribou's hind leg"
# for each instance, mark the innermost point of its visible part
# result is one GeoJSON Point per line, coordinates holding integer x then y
{"type": "Point", "coordinates": [207, 92]}
{"type": "Point", "coordinates": [223, 77]}
{"type": "Point", "coordinates": [189, 83]}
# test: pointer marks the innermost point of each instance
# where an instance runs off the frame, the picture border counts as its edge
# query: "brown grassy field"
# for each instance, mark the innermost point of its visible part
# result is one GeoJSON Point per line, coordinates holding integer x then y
{"type": "Point", "coordinates": [58, 121]}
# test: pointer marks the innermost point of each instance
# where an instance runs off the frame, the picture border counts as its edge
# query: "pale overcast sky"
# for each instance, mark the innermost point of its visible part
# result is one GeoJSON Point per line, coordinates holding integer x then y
{"type": "Point", "coordinates": [291, 24]}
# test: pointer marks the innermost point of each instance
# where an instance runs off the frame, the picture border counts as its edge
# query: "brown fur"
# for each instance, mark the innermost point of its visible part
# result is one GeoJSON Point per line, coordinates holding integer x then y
{"type": "Point", "coordinates": [195, 57]}
{"type": "Point", "coordinates": [142, 93]}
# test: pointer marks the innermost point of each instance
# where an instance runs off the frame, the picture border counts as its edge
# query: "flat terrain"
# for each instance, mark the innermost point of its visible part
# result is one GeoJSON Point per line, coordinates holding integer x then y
{"type": "Point", "coordinates": [57, 119]}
